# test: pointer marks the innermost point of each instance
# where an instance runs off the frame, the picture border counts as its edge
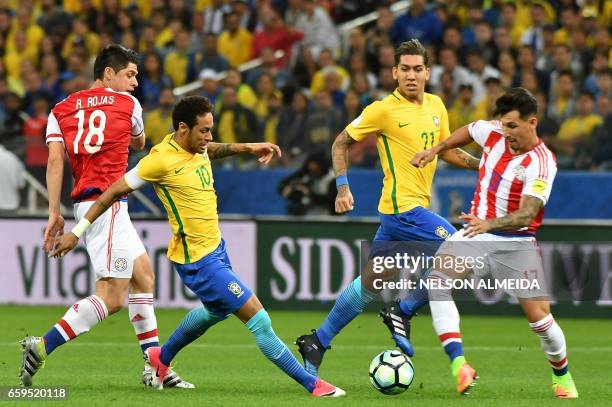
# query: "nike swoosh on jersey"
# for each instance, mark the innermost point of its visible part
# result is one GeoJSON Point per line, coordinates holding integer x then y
{"type": "Point", "coordinates": [179, 170]}
{"type": "Point", "coordinates": [403, 125]}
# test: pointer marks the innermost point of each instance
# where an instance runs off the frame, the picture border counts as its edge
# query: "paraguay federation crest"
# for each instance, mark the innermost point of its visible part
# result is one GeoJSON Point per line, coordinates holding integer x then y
{"type": "Point", "coordinates": [436, 121]}
{"type": "Point", "coordinates": [519, 172]}
{"type": "Point", "coordinates": [120, 264]}
{"type": "Point", "coordinates": [235, 289]}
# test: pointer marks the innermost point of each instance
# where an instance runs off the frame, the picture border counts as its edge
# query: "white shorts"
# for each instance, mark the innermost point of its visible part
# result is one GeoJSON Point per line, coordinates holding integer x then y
{"type": "Point", "coordinates": [111, 241]}
{"type": "Point", "coordinates": [505, 258]}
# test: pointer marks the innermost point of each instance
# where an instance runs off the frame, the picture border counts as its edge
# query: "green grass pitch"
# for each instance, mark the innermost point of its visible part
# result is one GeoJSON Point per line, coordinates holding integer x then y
{"type": "Point", "coordinates": [103, 367]}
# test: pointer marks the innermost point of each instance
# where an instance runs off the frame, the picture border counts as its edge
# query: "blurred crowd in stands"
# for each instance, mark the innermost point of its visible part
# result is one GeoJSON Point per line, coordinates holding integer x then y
{"type": "Point", "coordinates": [559, 50]}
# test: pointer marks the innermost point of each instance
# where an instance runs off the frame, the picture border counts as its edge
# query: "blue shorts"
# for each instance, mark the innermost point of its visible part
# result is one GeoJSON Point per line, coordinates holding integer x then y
{"type": "Point", "coordinates": [421, 229]}
{"type": "Point", "coordinates": [418, 224]}
{"type": "Point", "coordinates": [213, 280]}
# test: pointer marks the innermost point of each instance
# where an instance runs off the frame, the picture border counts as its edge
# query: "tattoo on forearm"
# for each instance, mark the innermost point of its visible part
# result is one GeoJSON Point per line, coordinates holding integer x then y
{"type": "Point", "coordinates": [469, 160]}
{"type": "Point", "coordinates": [520, 218]}
{"type": "Point", "coordinates": [220, 150]}
{"type": "Point", "coordinates": [340, 148]}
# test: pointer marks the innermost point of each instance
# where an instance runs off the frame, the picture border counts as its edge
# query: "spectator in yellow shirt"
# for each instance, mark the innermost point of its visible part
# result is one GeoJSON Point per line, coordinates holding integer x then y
{"type": "Point", "coordinates": [182, 63]}
{"type": "Point", "coordinates": [265, 91]}
{"type": "Point", "coordinates": [13, 60]}
{"type": "Point", "coordinates": [581, 125]}
{"type": "Point", "coordinates": [326, 63]}
{"type": "Point", "coordinates": [158, 122]}
{"type": "Point", "coordinates": [244, 93]}
{"type": "Point", "coordinates": [235, 42]}
{"type": "Point", "coordinates": [575, 131]}
{"type": "Point", "coordinates": [464, 112]}
{"type": "Point", "coordinates": [33, 32]}
{"type": "Point", "coordinates": [80, 32]}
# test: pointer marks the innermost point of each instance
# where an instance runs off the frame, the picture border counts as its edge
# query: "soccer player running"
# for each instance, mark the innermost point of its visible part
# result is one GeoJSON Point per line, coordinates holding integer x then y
{"type": "Point", "coordinates": [179, 168]}
{"type": "Point", "coordinates": [515, 180]}
{"type": "Point", "coordinates": [404, 123]}
{"type": "Point", "coordinates": [95, 127]}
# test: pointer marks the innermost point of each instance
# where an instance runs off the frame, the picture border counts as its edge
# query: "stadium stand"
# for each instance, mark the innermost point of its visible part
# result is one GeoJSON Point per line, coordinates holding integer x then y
{"type": "Point", "coordinates": [336, 58]}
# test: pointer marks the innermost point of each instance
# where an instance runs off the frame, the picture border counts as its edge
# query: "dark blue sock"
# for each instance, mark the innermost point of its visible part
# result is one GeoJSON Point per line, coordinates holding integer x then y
{"type": "Point", "coordinates": [453, 350]}
{"type": "Point", "coordinates": [560, 372]}
{"type": "Point", "coordinates": [193, 325]}
{"type": "Point", "coordinates": [276, 351]}
{"type": "Point", "coordinates": [53, 339]}
{"type": "Point", "coordinates": [351, 303]}
{"type": "Point", "coordinates": [416, 298]}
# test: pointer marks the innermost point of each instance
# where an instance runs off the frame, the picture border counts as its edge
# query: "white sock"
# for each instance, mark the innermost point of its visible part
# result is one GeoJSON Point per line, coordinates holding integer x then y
{"type": "Point", "coordinates": [552, 341]}
{"type": "Point", "coordinates": [142, 317]}
{"type": "Point", "coordinates": [81, 317]}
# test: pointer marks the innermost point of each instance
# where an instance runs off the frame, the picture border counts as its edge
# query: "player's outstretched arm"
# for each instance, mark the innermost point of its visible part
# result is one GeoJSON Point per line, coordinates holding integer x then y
{"type": "Point", "coordinates": [55, 175]}
{"type": "Point", "coordinates": [265, 151]}
{"type": "Point", "coordinates": [460, 158]}
{"type": "Point", "coordinates": [340, 163]}
{"type": "Point", "coordinates": [68, 241]}
{"type": "Point", "coordinates": [459, 138]}
{"type": "Point", "coordinates": [522, 217]}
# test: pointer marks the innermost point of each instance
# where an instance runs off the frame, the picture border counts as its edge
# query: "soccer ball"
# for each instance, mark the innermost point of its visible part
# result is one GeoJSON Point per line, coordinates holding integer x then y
{"type": "Point", "coordinates": [391, 372]}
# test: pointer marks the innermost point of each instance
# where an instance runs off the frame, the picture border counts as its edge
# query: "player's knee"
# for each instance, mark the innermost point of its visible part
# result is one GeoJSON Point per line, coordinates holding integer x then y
{"type": "Point", "coordinates": [143, 278]}
{"type": "Point", "coordinates": [260, 322]}
{"type": "Point", "coordinates": [113, 304]}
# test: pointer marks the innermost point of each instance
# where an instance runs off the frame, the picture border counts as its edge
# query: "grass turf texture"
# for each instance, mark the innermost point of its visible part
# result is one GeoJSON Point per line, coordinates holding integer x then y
{"type": "Point", "coordinates": [103, 367]}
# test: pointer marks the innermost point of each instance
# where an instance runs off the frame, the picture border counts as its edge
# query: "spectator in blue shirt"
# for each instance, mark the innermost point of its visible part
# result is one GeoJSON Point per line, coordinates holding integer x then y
{"type": "Point", "coordinates": [417, 23]}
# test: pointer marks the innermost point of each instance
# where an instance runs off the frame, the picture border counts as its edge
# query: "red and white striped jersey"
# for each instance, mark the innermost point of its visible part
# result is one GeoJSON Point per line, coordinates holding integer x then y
{"type": "Point", "coordinates": [504, 177]}
{"type": "Point", "coordinates": [96, 126]}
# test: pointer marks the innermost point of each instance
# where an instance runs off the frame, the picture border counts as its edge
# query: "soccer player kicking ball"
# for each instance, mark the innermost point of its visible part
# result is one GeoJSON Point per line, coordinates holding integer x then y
{"type": "Point", "coordinates": [404, 123]}
{"type": "Point", "coordinates": [95, 127]}
{"type": "Point", "coordinates": [179, 168]}
{"type": "Point", "coordinates": [514, 183]}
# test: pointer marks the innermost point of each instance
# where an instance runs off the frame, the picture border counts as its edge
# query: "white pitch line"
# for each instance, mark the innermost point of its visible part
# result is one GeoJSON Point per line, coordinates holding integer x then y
{"type": "Point", "coordinates": [341, 347]}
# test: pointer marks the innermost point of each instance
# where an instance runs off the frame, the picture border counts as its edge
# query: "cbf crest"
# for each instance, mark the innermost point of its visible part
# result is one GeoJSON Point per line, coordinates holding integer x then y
{"type": "Point", "coordinates": [235, 289]}
{"type": "Point", "coordinates": [436, 121]}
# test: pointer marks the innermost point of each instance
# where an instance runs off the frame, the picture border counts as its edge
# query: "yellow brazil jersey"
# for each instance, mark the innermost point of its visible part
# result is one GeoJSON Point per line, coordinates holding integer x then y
{"type": "Point", "coordinates": [403, 128]}
{"type": "Point", "coordinates": [184, 183]}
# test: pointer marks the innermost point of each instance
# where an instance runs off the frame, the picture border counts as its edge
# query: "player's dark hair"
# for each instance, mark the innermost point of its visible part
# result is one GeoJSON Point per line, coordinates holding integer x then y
{"type": "Point", "coordinates": [412, 47]}
{"type": "Point", "coordinates": [188, 109]}
{"type": "Point", "coordinates": [519, 99]}
{"type": "Point", "coordinates": [116, 57]}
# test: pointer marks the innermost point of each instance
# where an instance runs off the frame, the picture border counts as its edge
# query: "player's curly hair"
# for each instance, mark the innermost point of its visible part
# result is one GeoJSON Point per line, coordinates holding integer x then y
{"type": "Point", "coordinates": [412, 47]}
{"type": "Point", "coordinates": [188, 109]}
{"type": "Point", "coordinates": [519, 99]}
{"type": "Point", "coordinates": [114, 56]}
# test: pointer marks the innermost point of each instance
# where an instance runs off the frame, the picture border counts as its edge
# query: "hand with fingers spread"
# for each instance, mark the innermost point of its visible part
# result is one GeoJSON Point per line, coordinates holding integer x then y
{"type": "Point", "coordinates": [63, 244]}
{"type": "Point", "coordinates": [265, 151]}
{"type": "Point", "coordinates": [55, 228]}
{"type": "Point", "coordinates": [474, 225]}
{"type": "Point", "coordinates": [344, 199]}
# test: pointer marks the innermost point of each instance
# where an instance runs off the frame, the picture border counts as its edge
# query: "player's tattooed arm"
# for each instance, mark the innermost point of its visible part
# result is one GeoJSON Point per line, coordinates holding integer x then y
{"type": "Point", "coordinates": [265, 151]}
{"type": "Point", "coordinates": [528, 210]}
{"type": "Point", "coordinates": [221, 150]}
{"type": "Point", "coordinates": [340, 161]}
{"type": "Point", "coordinates": [460, 158]}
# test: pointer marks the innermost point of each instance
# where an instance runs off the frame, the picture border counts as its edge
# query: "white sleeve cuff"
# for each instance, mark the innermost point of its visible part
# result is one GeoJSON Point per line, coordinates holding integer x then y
{"type": "Point", "coordinates": [540, 197]}
{"type": "Point", "coordinates": [54, 138]}
{"type": "Point", "coordinates": [133, 179]}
